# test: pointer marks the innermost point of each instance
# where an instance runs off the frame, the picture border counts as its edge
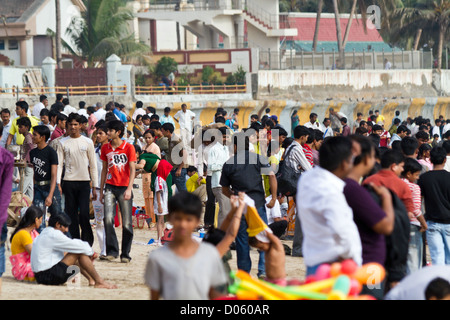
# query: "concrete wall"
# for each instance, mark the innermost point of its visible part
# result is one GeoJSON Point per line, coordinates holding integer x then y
{"type": "Point", "coordinates": [345, 84]}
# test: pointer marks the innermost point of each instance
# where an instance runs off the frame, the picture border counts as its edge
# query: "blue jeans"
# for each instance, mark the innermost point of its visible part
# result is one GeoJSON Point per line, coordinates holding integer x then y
{"type": "Point", "coordinates": [180, 181]}
{"type": "Point", "coordinates": [243, 248]}
{"type": "Point", "coordinates": [415, 250]}
{"type": "Point", "coordinates": [3, 235]}
{"type": "Point", "coordinates": [40, 194]}
{"type": "Point", "coordinates": [438, 238]}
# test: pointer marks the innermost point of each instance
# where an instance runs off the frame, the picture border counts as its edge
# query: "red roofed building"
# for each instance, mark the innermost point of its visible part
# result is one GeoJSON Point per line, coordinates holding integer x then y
{"type": "Point", "coordinates": [358, 38]}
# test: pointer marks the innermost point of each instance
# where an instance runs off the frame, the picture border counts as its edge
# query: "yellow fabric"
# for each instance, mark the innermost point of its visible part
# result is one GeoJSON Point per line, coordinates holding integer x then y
{"type": "Point", "coordinates": [191, 183]}
{"type": "Point", "coordinates": [20, 240]}
{"type": "Point", "coordinates": [272, 160]}
{"type": "Point", "coordinates": [15, 129]}
{"type": "Point", "coordinates": [254, 222]}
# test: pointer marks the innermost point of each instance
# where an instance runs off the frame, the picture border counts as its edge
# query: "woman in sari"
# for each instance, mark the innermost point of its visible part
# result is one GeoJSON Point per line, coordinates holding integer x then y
{"type": "Point", "coordinates": [22, 243]}
{"type": "Point", "coordinates": [295, 121]}
{"type": "Point", "coordinates": [138, 131]}
{"type": "Point", "coordinates": [161, 184]}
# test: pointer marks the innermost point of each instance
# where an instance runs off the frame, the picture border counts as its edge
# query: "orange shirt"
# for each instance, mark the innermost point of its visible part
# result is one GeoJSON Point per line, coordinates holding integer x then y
{"type": "Point", "coordinates": [391, 181]}
{"type": "Point", "coordinates": [118, 163]}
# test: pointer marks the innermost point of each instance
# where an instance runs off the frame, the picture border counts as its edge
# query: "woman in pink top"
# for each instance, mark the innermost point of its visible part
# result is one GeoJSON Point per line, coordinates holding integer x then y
{"type": "Point", "coordinates": [150, 147]}
{"type": "Point", "coordinates": [92, 120]}
{"type": "Point", "coordinates": [424, 156]}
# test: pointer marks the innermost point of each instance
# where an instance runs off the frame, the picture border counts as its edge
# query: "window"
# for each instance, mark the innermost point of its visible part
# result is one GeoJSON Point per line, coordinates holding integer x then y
{"type": "Point", "coordinates": [13, 44]}
{"type": "Point", "coordinates": [2, 44]}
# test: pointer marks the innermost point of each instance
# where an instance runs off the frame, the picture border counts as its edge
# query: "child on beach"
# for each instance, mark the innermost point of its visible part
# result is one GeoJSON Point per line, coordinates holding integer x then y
{"type": "Point", "coordinates": [22, 243]}
{"type": "Point", "coordinates": [184, 269]}
{"type": "Point", "coordinates": [150, 147]}
{"type": "Point", "coordinates": [161, 185]}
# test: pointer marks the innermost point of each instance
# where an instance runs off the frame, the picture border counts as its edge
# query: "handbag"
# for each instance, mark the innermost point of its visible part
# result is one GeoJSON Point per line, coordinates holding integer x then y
{"type": "Point", "coordinates": [287, 177]}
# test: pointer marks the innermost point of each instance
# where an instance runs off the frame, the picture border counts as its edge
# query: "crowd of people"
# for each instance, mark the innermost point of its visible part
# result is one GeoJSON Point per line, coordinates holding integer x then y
{"type": "Point", "coordinates": [361, 189]}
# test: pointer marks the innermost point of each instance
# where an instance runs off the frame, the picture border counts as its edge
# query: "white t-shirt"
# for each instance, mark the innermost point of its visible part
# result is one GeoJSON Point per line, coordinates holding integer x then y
{"type": "Point", "coordinates": [37, 109]}
{"type": "Point", "coordinates": [185, 119]}
{"type": "Point", "coordinates": [178, 278]}
{"type": "Point", "coordinates": [161, 186]}
{"type": "Point", "coordinates": [413, 286]}
{"type": "Point", "coordinates": [274, 212]}
{"type": "Point", "coordinates": [68, 109]}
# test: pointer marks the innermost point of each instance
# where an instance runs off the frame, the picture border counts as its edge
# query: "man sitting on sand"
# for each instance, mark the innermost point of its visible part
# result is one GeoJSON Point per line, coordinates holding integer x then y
{"type": "Point", "coordinates": [53, 253]}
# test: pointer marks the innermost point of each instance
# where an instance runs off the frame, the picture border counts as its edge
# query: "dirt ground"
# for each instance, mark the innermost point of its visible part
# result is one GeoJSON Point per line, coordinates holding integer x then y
{"type": "Point", "coordinates": [129, 278]}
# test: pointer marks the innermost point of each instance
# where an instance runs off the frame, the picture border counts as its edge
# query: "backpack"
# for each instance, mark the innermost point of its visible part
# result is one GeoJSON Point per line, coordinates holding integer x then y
{"type": "Point", "coordinates": [397, 243]}
{"type": "Point", "coordinates": [167, 236]}
{"type": "Point", "coordinates": [287, 177]}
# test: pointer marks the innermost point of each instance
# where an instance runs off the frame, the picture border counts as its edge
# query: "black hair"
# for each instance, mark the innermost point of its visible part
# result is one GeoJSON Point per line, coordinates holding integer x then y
{"type": "Point", "coordinates": [83, 119]}
{"type": "Point", "coordinates": [397, 145]}
{"type": "Point", "coordinates": [139, 104]}
{"type": "Point", "coordinates": [155, 125]}
{"type": "Point", "coordinates": [397, 121]}
{"type": "Point", "coordinates": [438, 288]}
{"type": "Point", "coordinates": [145, 117]}
{"type": "Point", "coordinates": [62, 218]}
{"type": "Point", "coordinates": [361, 131]}
{"type": "Point", "coordinates": [219, 119]}
{"type": "Point", "coordinates": [254, 116]}
{"type": "Point", "coordinates": [409, 146]}
{"type": "Point", "coordinates": [151, 131]}
{"type": "Point", "coordinates": [191, 169]}
{"type": "Point", "coordinates": [57, 106]}
{"type": "Point", "coordinates": [375, 138]}
{"type": "Point", "coordinates": [31, 214]}
{"type": "Point", "coordinates": [287, 142]}
{"type": "Point", "coordinates": [223, 130]}
{"type": "Point", "coordinates": [23, 105]}
{"type": "Point", "coordinates": [344, 119]}
{"type": "Point", "coordinates": [61, 117]}
{"type": "Point", "coordinates": [5, 111]}
{"type": "Point", "coordinates": [401, 129]}
{"type": "Point", "coordinates": [100, 123]}
{"type": "Point", "coordinates": [166, 109]}
{"type": "Point", "coordinates": [109, 116]}
{"type": "Point", "coordinates": [446, 146]}
{"type": "Point", "coordinates": [59, 96]}
{"type": "Point", "coordinates": [312, 114]}
{"type": "Point", "coordinates": [24, 121]}
{"type": "Point", "coordinates": [423, 147]}
{"type": "Point", "coordinates": [42, 130]}
{"type": "Point", "coordinates": [267, 110]}
{"type": "Point", "coordinates": [422, 135]}
{"type": "Point", "coordinates": [151, 109]}
{"type": "Point", "coordinates": [256, 126]}
{"type": "Point", "coordinates": [438, 155]}
{"type": "Point", "coordinates": [397, 113]}
{"type": "Point", "coordinates": [65, 101]}
{"type": "Point", "coordinates": [282, 132]}
{"type": "Point", "coordinates": [117, 125]}
{"type": "Point", "coordinates": [214, 235]}
{"type": "Point", "coordinates": [311, 137]}
{"type": "Point", "coordinates": [137, 149]}
{"type": "Point", "coordinates": [42, 97]}
{"type": "Point", "coordinates": [90, 109]}
{"type": "Point", "coordinates": [269, 123]}
{"type": "Point", "coordinates": [74, 117]}
{"type": "Point", "coordinates": [362, 122]}
{"type": "Point", "coordinates": [334, 151]}
{"type": "Point", "coordinates": [377, 127]}
{"type": "Point", "coordinates": [44, 112]}
{"type": "Point", "coordinates": [300, 131]}
{"type": "Point", "coordinates": [185, 202]}
{"type": "Point", "coordinates": [81, 104]}
{"type": "Point", "coordinates": [154, 117]}
{"type": "Point", "coordinates": [412, 166]}
{"type": "Point", "coordinates": [390, 157]}
{"type": "Point", "coordinates": [367, 147]}
{"type": "Point", "coordinates": [318, 135]}
{"type": "Point", "coordinates": [168, 127]}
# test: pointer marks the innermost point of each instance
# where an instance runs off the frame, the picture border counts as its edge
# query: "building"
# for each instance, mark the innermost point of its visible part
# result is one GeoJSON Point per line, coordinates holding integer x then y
{"type": "Point", "coordinates": [25, 26]}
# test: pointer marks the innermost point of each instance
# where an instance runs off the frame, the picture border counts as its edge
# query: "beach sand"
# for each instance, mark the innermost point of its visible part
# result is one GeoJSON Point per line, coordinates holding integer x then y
{"type": "Point", "coordinates": [129, 278]}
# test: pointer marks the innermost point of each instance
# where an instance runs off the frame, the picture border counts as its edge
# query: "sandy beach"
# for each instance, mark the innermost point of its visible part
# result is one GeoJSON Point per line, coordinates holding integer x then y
{"type": "Point", "coordinates": [129, 278]}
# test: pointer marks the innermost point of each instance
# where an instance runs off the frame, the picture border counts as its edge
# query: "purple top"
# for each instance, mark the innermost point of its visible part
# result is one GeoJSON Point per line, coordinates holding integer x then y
{"type": "Point", "coordinates": [6, 173]}
{"type": "Point", "coordinates": [366, 214]}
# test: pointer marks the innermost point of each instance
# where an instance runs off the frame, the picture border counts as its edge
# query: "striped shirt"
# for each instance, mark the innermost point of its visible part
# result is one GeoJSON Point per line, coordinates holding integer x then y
{"type": "Point", "coordinates": [308, 154]}
{"type": "Point", "coordinates": [417, 200]}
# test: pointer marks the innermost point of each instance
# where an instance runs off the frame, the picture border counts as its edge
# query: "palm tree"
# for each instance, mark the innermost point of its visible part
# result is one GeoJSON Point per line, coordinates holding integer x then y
{"type": "Point", "coordinates": [339, 34]}
{"type": "Point", "coordinates": [316, 31]}
{"type": "Point", "coordinates": [430, 21]}
{"type": "Point", "coordinates": [101, 31]}
{"type": "Point", "coordinates": [58, 33]}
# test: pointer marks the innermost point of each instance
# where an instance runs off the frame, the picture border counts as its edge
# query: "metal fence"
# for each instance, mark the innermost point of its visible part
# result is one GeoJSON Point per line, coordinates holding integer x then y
{"type": "Point", "coordinates": [286, 59]}
{"type": "Point", "coordinates": [175, 5]}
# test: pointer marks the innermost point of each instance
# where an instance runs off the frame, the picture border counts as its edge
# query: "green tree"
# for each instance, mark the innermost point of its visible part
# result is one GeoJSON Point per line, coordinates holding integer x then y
{"type": "Point", "coordinates": [103, 30]}
{"type": "Point", "coordinates": [165, 66]}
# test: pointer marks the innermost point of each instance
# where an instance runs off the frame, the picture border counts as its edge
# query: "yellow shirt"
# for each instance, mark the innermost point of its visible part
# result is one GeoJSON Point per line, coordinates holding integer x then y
{"type": "Point", "coordinates": [272, 160]}
{"type": "Point", "coordinates": [19, 241]}
{"type": "Point", "coordinates": [191, 183]}
{"type": "Point", "coordinates": [380, 118]}
{"type": "Point", "coordinates": [15, 129]}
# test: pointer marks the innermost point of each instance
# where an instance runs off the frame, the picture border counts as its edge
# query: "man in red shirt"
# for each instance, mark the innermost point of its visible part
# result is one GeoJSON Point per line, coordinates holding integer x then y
{"type": "Point", "coordinates": [392, 163]}
{"type": "Point", "coordinates": [119, 169]}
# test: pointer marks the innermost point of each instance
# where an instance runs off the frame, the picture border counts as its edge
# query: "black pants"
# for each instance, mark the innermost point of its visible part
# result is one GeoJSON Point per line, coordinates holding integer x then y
{"type": "Point", "coordinates": [210, 207]}
{"type": "Point", "coordinates": [77, 197]}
